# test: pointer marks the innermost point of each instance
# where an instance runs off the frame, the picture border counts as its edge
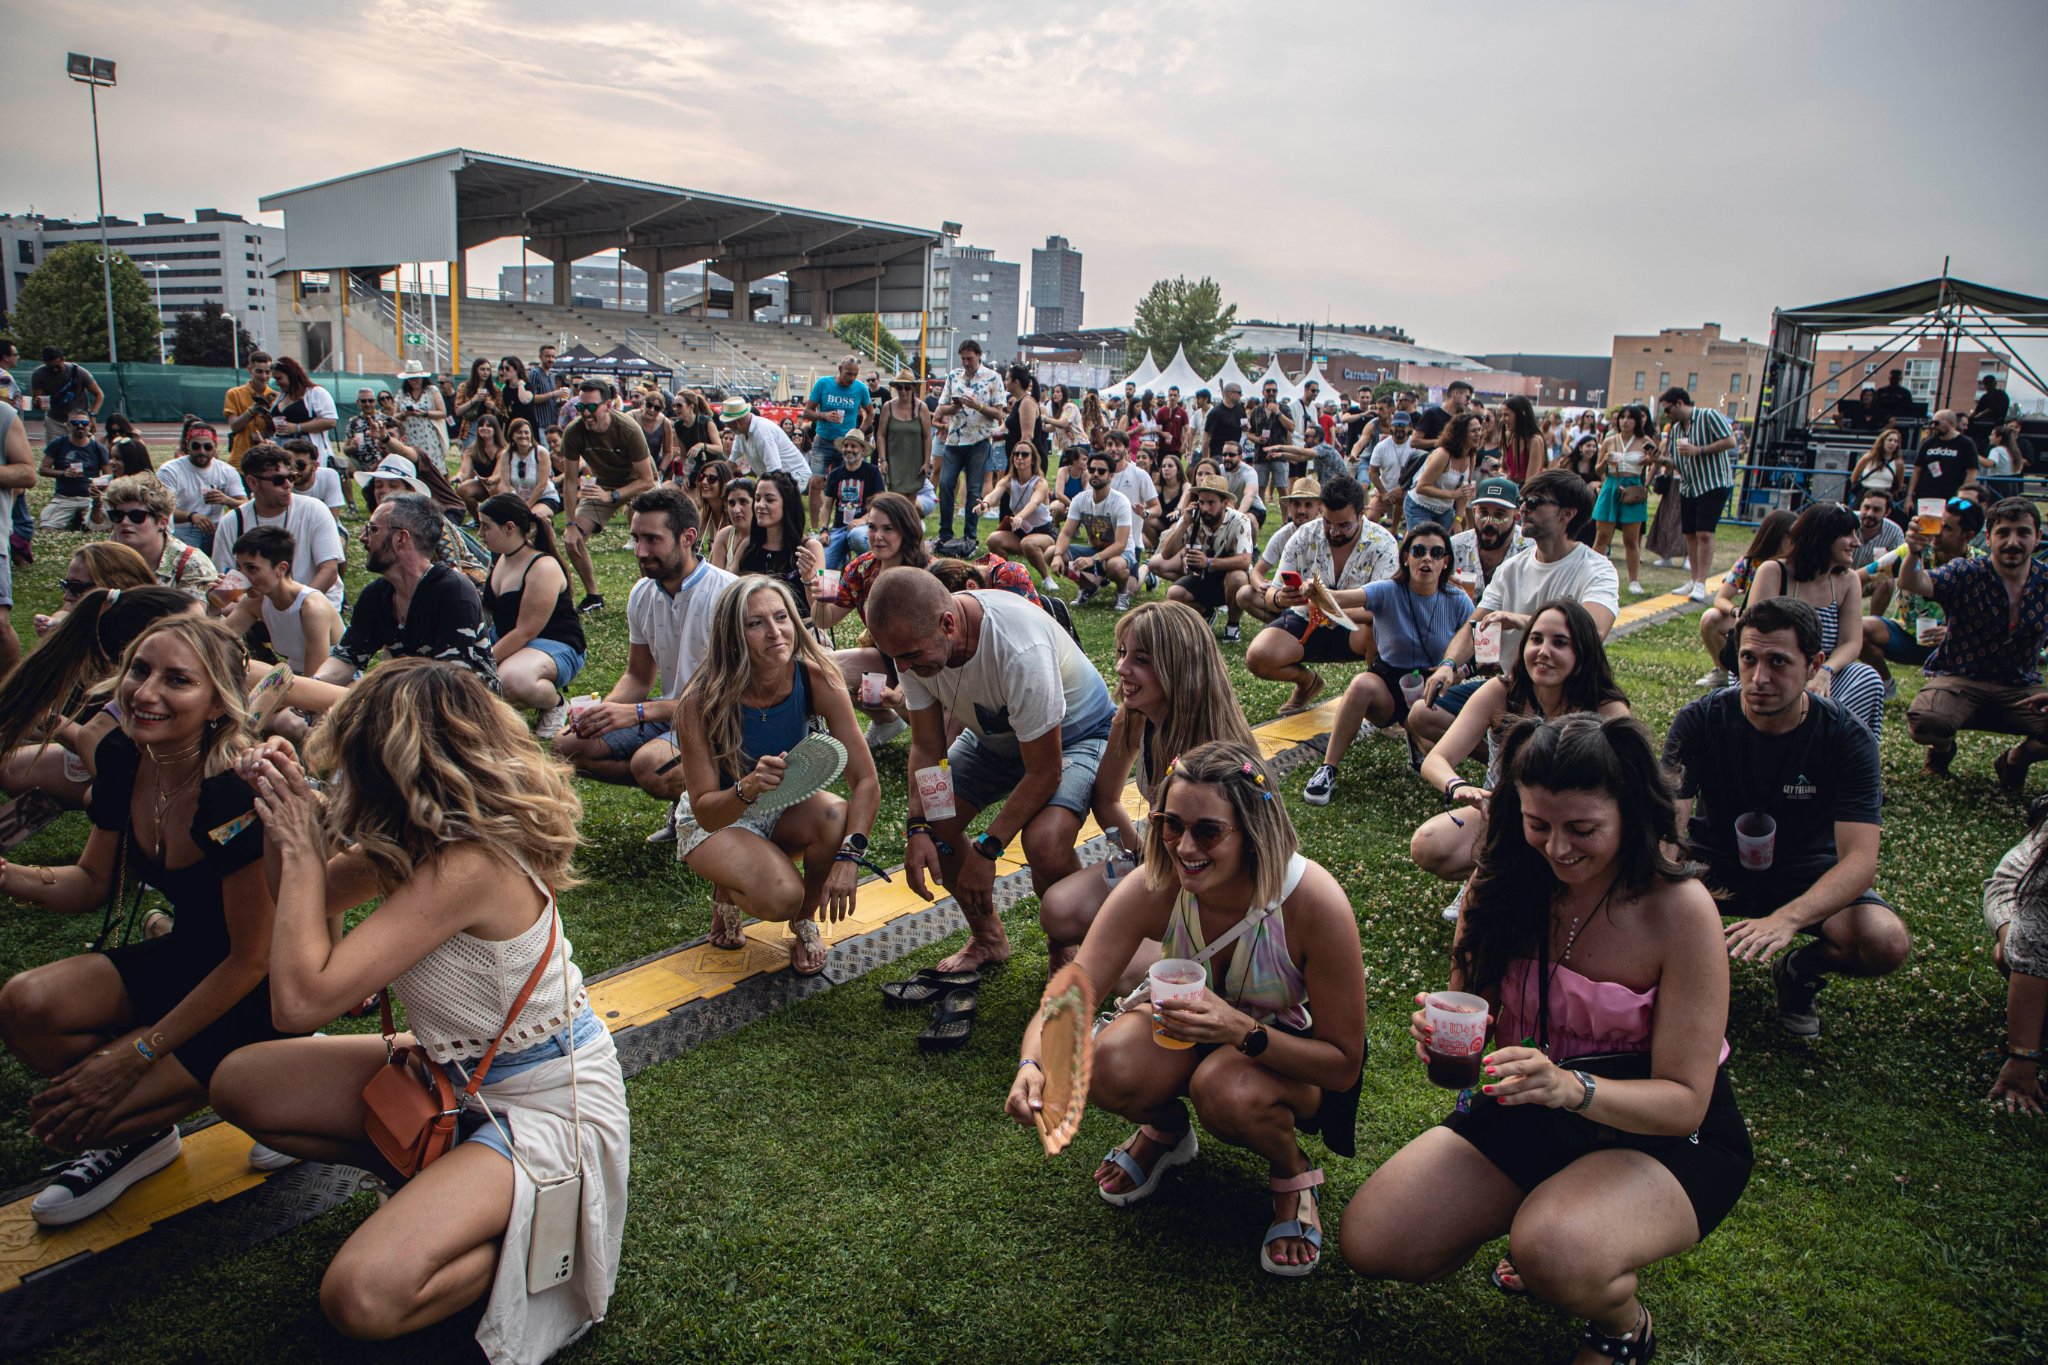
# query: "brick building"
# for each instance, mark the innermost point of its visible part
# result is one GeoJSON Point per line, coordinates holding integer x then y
{"type": "Point", "coordinates": [1840, 373]}
{"type": "Point", "coordinates": [1717, 372]}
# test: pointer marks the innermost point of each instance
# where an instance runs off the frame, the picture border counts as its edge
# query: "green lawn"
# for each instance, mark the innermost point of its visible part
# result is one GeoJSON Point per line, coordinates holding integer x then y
{"type": "Point", "coordinates": [811, 1186]}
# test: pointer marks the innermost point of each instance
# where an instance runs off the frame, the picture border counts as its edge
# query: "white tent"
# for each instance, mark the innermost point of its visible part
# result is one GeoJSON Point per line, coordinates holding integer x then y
{"type": "Point", "coordinates": [1142, 377]}
{"type": "Point", "coordinates": [1177, 373]}
{"type": "Point", "coordinates": [1231, 374]}
{"type": "Point", "coordinates": [1276, 375]}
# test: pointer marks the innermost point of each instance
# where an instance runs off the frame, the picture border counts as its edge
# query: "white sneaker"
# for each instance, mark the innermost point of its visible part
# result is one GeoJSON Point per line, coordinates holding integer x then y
{"type": "Point", "coordinates": [1635, 589]}
{"type": "Point", "coordinates": [551, 721]}
{"type": "Point", "coordinates": [1697, 592]}
{"type": "Point", "coordinates": [1320, 784]}
{"type": "Point", "coordinates": [882, 731]}
{"type": "Point", "coordinates": [100, 1177]}
{"type": "Point", "coordinates": [269, 1158]}
{"type": "Point", "coordinates": [1714, 678]}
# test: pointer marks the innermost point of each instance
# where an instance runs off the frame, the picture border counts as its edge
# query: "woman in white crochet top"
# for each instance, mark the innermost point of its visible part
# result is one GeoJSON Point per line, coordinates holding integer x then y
{"type": "Point", "coordinates": [463, 828]}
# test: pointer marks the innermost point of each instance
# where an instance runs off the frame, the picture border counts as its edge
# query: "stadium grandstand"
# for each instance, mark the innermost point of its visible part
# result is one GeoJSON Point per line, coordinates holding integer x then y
{"type": "Point", "coordinates": [355, 245]}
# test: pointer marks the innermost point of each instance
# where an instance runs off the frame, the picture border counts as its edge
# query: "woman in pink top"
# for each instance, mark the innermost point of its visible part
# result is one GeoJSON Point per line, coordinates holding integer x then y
{"type": "Point", "coordinates": [1605, 1135]}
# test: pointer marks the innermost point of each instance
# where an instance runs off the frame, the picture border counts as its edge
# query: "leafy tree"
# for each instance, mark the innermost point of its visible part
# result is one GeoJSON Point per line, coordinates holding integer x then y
{"type": "Point", "coordinates": [1394, 388]}
{"type": "Point", "coordinates": [205, 336]}
{"type": "Point", "coordinates": [63, 304]}
{"type": "Point", "coordinates": [1176, 314]}
{"type": "Point", "coordinates": [858, 330]}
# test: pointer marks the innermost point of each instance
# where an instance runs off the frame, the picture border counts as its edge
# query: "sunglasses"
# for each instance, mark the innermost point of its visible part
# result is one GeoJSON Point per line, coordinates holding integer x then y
{"type": "Point", "coordinates": [1531, 504]}
{"type": "Point", "coordinates": [1428, 552]}
{"type": "Point", "coordinates": [77, 587]}
{"type": "Point", "coordinates": [207, 446]}
{"type": "Point", "coordinates": [1206, 833]}
{"type": "Point", "coordinates": [586, 408]}
{"type": "Point", "coordinates": [274, 480]}
{"type": "Point", "coordinates": [138, 515]}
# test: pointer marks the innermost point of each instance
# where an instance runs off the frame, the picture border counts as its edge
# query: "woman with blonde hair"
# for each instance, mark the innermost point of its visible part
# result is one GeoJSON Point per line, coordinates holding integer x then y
{"type": "Point", "coordinates": [462, 829]}
{"type": "Point", "coordinates": [132, 1034]}
{"type": "Point", "coordinates": [1174, 694]}
{"type": "Point", "coordinates": [765, 683]}
{"type": "Point", "coordinates": [1883, 466]}
{"type": "Point", "coordinates": [1224, 883]}
{"type": "Point", "coordinates": [97, 564]}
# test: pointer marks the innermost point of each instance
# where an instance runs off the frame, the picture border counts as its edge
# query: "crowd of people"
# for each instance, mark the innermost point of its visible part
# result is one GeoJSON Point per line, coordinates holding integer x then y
{"type": "Point", "coordinates": [205, 692]}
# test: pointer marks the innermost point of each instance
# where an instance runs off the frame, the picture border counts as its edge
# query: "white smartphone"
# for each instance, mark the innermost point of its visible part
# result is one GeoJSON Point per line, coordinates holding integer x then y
{"type": "Point", "coordinates": [551, 1242]}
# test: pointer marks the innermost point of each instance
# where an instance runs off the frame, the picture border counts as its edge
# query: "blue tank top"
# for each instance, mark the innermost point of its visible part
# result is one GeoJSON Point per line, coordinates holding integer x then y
{"type": "Point", "coordinates": [776, 730]}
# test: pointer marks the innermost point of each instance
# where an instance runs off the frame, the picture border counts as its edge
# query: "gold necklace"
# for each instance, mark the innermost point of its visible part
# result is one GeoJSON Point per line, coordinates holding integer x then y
{"type": "Point", "coordinates": [167, 796]}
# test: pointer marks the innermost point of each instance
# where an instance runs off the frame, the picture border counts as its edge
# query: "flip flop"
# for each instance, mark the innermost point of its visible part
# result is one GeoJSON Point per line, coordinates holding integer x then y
{"type": "Point", "coordinates": [808, 939]}
{"type": "Point", "coordinates": [1308, 703]}
{"type": "Point", "coordinates": [952, 1021]}
{"type": "Point", "coordinates": [926, 987]}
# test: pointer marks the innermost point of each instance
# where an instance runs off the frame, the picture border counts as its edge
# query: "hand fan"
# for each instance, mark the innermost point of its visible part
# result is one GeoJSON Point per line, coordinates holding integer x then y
{"type": "Point", "coordinates": [1066, 1045]}
{"type": "Point", "coordinates": [813, 762]}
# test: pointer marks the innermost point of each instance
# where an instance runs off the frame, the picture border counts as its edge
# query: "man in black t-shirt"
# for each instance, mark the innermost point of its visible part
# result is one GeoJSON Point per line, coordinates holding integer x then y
{"type": "Point", "coordinates": [1946, 460]}
{"type": "Point", "coordinates": [1226, 421]}
{"type": "Point", "coordinates": [1992, 405]}
{"type": "Point", "coordinates": [1775, 749]}
{"type": "Point", "coordinates": [1270, 425]}
{"type": "Point", "coordinates": [1431, 421]}
{"type": "Point", "coordinates": [417, 607]}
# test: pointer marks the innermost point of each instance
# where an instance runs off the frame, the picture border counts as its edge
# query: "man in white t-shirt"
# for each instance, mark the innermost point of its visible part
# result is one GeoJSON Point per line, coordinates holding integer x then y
{"type": "Point", "coordinates": [1384, 467]}
{"type": "Point", "coordinates": [1107, 529]}
{"type": "Point", "coordinates": [267, 471]}
{"type": "Point", "coordinates": [1035, 717]}
{"type": "Point", "coordinates": [1552, 503]}
{"type": "Point", "coordinates": [1302, 504]}
{"type": "Point", "coordinates": [1130, 479]}
{"type": "Point", "coordinates": [202, 485]}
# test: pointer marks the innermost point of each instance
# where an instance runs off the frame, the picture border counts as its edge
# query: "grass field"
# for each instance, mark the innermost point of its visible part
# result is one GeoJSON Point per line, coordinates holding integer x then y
{"type": "Point", "coordinates": [810, 1186]}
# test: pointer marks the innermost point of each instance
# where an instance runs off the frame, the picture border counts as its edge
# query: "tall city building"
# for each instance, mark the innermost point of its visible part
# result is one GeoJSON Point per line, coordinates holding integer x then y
{"type": "Point", "coordinates": [972, 295]}
{"type": "Point", "coordinates": [1056, 287]}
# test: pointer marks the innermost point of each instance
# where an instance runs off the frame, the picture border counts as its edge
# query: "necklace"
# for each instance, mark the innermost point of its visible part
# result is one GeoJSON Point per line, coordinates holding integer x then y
{"type": "Point", "coordinates": [1578, 923]}
{"type": "Point", "coordinates": [167, 796]}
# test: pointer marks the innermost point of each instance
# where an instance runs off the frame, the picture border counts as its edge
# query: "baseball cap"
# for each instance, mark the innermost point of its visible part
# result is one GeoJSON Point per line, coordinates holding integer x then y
{"type": "Point", "coordinates": [1402, 419]}
{"type": "Point", "coordinates": [1499, 491]}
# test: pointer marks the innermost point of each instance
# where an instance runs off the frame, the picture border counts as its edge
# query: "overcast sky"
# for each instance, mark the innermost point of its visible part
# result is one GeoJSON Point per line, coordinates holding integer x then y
{"type": "Point", "coordinates": [1493, 175]}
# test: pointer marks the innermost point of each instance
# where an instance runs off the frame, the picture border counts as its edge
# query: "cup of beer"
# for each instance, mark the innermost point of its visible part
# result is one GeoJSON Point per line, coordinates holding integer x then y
{"type": "Point", "coordinates": [1927, 517]}
{"type": "Point", "coordinates": [872, 685]}
{"type": "Point", "coordinates": [1457, 1037]}
{"type": "Point", "coordinates": [1174, 978]}
{"type": "Point", "coordinates": [228, 589]}
{"type": "Point", "coordinates": [935, 791]}
{"type": "Point", "coordinates": [1924, 628]}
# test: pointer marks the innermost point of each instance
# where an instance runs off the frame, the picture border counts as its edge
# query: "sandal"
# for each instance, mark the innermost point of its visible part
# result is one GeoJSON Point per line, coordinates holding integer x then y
{"type": "Point", "coordinates": [1298, 1226]}
{"type": "Point", "coordinates": [926, 987]}
{"type": "Point", "coordinates": [952, 1021]}
{"type": "Point", "coordinates": [1304, 701]}
{"type": "Point", "coordinates": [1631, 1348]}
{"type": "Point", "coordinates": [1507, 1279]}
{"type": "Point", "coordinates": [1179, 1152]}
{"type": "Point", "coordinates": [727, 927]}
{"type": "Point", "coordinates": [809, 940]}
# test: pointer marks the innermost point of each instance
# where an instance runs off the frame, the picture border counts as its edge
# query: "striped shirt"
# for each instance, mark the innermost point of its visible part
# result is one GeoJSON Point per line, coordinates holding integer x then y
{"type": "Point", "coordinates": [1705, 473]}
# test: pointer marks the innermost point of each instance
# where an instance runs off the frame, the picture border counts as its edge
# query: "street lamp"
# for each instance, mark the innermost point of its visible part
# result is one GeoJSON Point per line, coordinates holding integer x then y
{"type": "Point", "coordinates": [156, 272]}
{"type": "Point", "coordinates": [94, 72]}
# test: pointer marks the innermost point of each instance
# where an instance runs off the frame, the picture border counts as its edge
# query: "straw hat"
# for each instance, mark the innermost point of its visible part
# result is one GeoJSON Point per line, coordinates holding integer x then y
{"type": "Point", "coordinates": [735, 407]}
{"type": "Point", "coordinates": [1216, 483]}
{"type": "Point", "coordinates": [906, 380]}
{"type": "Point", "coordinates": [1304, 489]}
{"type": "Point", "coordinates": [855, 438]}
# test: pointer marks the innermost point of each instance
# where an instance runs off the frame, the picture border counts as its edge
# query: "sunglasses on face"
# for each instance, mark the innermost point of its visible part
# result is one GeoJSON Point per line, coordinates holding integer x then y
{"type": "Point", "coordinates": [1206, 833]}
{"type": "Point", "coordinates": [274, 480]}
{"type": "Point", "coordinates": [1428, 552]}
{"type": "Point", "coordinates": [586, 408]}
{"type": "Point", "coordinates": [138, 515]}
{"type": "Point", "coordinates": [207, 446]}
{"type": "Point", "coordinates": [77, 587]}
{"type": "Point", "coordinates": [1531, 504]}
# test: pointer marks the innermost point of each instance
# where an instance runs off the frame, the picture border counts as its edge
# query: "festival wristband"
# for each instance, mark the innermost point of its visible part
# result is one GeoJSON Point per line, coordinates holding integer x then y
{"type": "Point", "coordinates": [148, 1054]}
{"type": "Point", "coordinates": [739, 790]}
{"type": "Point", "coordinates": [913, 828]}
{"type": "Point", "coordinates": [2037, 1056]}
{"type": "Point", "coordinates": [1031, 1061]}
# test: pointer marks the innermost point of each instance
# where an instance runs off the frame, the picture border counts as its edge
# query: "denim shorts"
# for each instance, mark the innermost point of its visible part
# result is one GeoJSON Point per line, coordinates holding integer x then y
{"type": "Point", "coordinates": [626, 742]}
{"type": "Point", "coordinates": [982, 776]}
{"type": "Point", "coordinates": [475, 1125]}
{"type": "Point", "coordinates": [568, 662]}
{"type": "Point", "coordinates": [1901, 645]}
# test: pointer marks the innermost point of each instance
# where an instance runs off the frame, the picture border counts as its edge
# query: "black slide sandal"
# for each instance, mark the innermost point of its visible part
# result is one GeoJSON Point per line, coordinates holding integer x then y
{"type": "Point", "coordinates": [952, 1021]}
{"type": "Point", "coordinates": [926, 987]}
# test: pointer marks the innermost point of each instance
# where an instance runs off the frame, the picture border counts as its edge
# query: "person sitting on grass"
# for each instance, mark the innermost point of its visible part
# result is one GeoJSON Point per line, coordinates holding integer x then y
{"type": "Point", "coordinates": [1495, 537]}
{"type": "Point", "coordinates": [55, 706]}
{"type": "Point", "coordinates": [95, 564]}
{"type": "Point", "coordinates": [1773, 536]}
{"type": "Point", "coordinates": [2016, 913]}
{"type": "Point", "coordinates": [1343, 552]}
{"type": "Point", "coordinates": [416, 606]}
{"type": "Point", "coordinates": [1035, 717]}
{"type": "Point", "coordinates": [776, 543]}
{"type": "Point", "coordinates": [537, 639]}
{"type": "Point", "coordinates": [527, 473]}
{"type": "Point", "coordinates": [1024, 528]}
{"type": "Point", "coordinates": [301, 625]}
{"type": "Point", "coordinates": [202, 485]}
{"type": "Point", "coordinates": [1098, 543]}
{"type": "Point", "coordinates": [1986, 673]}
{"type": "Point", "coordinates": [461, 829]}
{"type": "Point", "coordinates": [895, 537]}
{"type": "Point", "coordinates": [1817, 568]}
{"type": "Point", "coordinates": [1412, 617]}
{"type": "Point", "coordinates": [1893, 627]}
{"type": "Point", "coordinates": [1615, 1141]}
{"type": "Point", "coordinates": [140, 509]}
{"type": "Point", "coordinates": [1302, 505]}
{"type": "Point", "coordinates": [1779, 762]}
{"type": "Point", "coordinates": [629, 738]}
{"type": "Point", "coordinates": [851, 484]}
{"type": "Point", "coordinates": [130, 1035]}
{"type": "Point", "coordinates": [991, 571]}
{"type": "Point", "coordinates": [1174, 694]}
{"type": "Point", "coordinates": [762, 683]}
{"type": "Point", "coordinates": [1207, 553]}
{"type": "Point", "coordinates": [1562, 668]}
{"type": "Point", "coordinates": [267, 470]}
{"type": "Point", "coordinates": [1223, 870]}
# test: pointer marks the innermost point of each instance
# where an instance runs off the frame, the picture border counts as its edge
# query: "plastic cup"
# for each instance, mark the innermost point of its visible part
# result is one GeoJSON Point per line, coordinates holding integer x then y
{"type": "Point", "coordinates": [1927, 516]}
{"type": "Point", "coordinates": [1468, 582]}
{"type": "Point", "coordinates": [228, 589]}
{"type": "Point", "coordinates": [1457, 1038]}
{"type": "Point", "coordinates": [1411, 687]}
{"type": "Point", "coordinates": [872, 685]}
{"type": "Point", "coordinates": [828, 585]}
{"type": "Point", "coordinates": [1174, 978]}
{"type": "Point", "coordinates": [1756, 840]}
{"type": "Point", "coordinates": [1486, 643]}
{"type": "Point", "coordinates": [578, 705]}
{"type": "Point", "coordinates": [935, 790]}
{"type": "Point", "coordinates": [1924, 628]}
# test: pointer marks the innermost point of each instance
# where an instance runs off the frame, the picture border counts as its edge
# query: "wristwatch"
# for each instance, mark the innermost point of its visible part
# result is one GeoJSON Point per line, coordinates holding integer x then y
{"type": "Point", "coordinates": [989, 847]}
{"type": "Point", "coordinates": [1254, 1042]}
{"type": "Point", "coordinates": [856, 844]}
{"type": "Point", "coordinates": [1587, 1103]}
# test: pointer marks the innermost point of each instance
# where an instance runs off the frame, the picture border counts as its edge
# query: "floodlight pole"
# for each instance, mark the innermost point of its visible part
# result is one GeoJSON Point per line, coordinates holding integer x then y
{"type": "Point", "coordinates": [92, 84]}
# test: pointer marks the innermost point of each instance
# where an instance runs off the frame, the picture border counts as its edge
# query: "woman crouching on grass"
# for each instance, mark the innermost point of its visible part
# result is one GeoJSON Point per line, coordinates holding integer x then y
{"type": "Point", "coordinates": [464, 829]}
{"type": "Point", "coordinates": [1615, 1141]}
{"type": "Point", "coordinates": [1223, 867]}
{"type": "Point", "coordinates": [763, 681]}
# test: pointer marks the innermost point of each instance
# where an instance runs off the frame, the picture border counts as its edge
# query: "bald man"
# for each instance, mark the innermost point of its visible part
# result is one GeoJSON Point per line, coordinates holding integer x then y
{"type": "Point", "coordinates": [1036, 718]}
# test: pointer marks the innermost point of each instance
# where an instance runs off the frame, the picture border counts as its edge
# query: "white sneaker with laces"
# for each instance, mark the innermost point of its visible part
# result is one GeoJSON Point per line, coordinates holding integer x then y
{"type": "Point", "coordinates": [551, 721]}
{"type": "Point", "coordinates": [1123, 601]}
{"type": "Point", "coordinates": [1455, 908]}
{"type": "Point", "coordinates": [100, 1177]}
{"type": "Point", "coordinates": [1320, 784]}
{"type": "Point", "coordinates": [1713, 678]}
{"type": "Point", "coordinates": [1635, 588]}
{"type": "Point", "coordinates": [882, 731]}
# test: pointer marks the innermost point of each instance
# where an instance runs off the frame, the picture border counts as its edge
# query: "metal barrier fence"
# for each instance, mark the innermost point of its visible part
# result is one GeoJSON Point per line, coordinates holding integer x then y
{"type": "Point", "coordinates": [1765, 488]}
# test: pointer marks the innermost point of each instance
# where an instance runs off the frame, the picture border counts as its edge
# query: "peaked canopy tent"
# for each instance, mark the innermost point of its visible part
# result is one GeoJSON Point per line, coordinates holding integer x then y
{"type": "Point", "coordinates": [1178, 374]}
{"type": "Point", "coordinates": [1231, 374]}
{"type": "Point", "coordinates": [1275, 375]}
{"type": "Point", "coordinates": [1895, 320]}
{"type": "Point", "coordinates": [1142, 377]}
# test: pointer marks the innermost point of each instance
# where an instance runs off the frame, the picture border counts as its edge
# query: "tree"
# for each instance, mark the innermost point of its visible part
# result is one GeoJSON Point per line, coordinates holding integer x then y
{"type": "Point", "coordinates": [1394, 388]}
{"type": "Point", "coordinates": [1175, 314]}
{"type": "Point", "coordinates": [205, 337]}
{"type": "Point", "coordinates": [858, 330]}
{"type": "Point", "coordinates": [63, 304]}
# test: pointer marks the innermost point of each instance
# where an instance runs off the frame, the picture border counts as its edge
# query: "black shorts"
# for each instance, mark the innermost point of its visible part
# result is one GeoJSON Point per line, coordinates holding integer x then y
{"type": "Point", "coordinates": [1205, 588]}
{"type": "Point", "coordinates": [1323, 645]}
{"type": "Point", "coordinates": [158, 975]}
{"type": "Point", "coordinates": [1761, 901]}
{"type": "Point", "coordinates": [1701, 513]}
{"type": "Point", "coordinates": [1392, 676]}
{"type": "Point", "coordinates": [1531, 1143]}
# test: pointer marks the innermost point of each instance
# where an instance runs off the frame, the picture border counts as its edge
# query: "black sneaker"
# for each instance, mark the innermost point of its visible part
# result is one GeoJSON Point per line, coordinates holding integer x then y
{"type": "Point", "coordinates": [1796, 994]}
{"type": "Point", "coordinates": [100, 1177]}
{"type": "Point", "coordinates": [593, 601]}
{"type": "Point", "coordinates": [1320, 784]}
{"type": "Point", "coordinates": [1230, 635]}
